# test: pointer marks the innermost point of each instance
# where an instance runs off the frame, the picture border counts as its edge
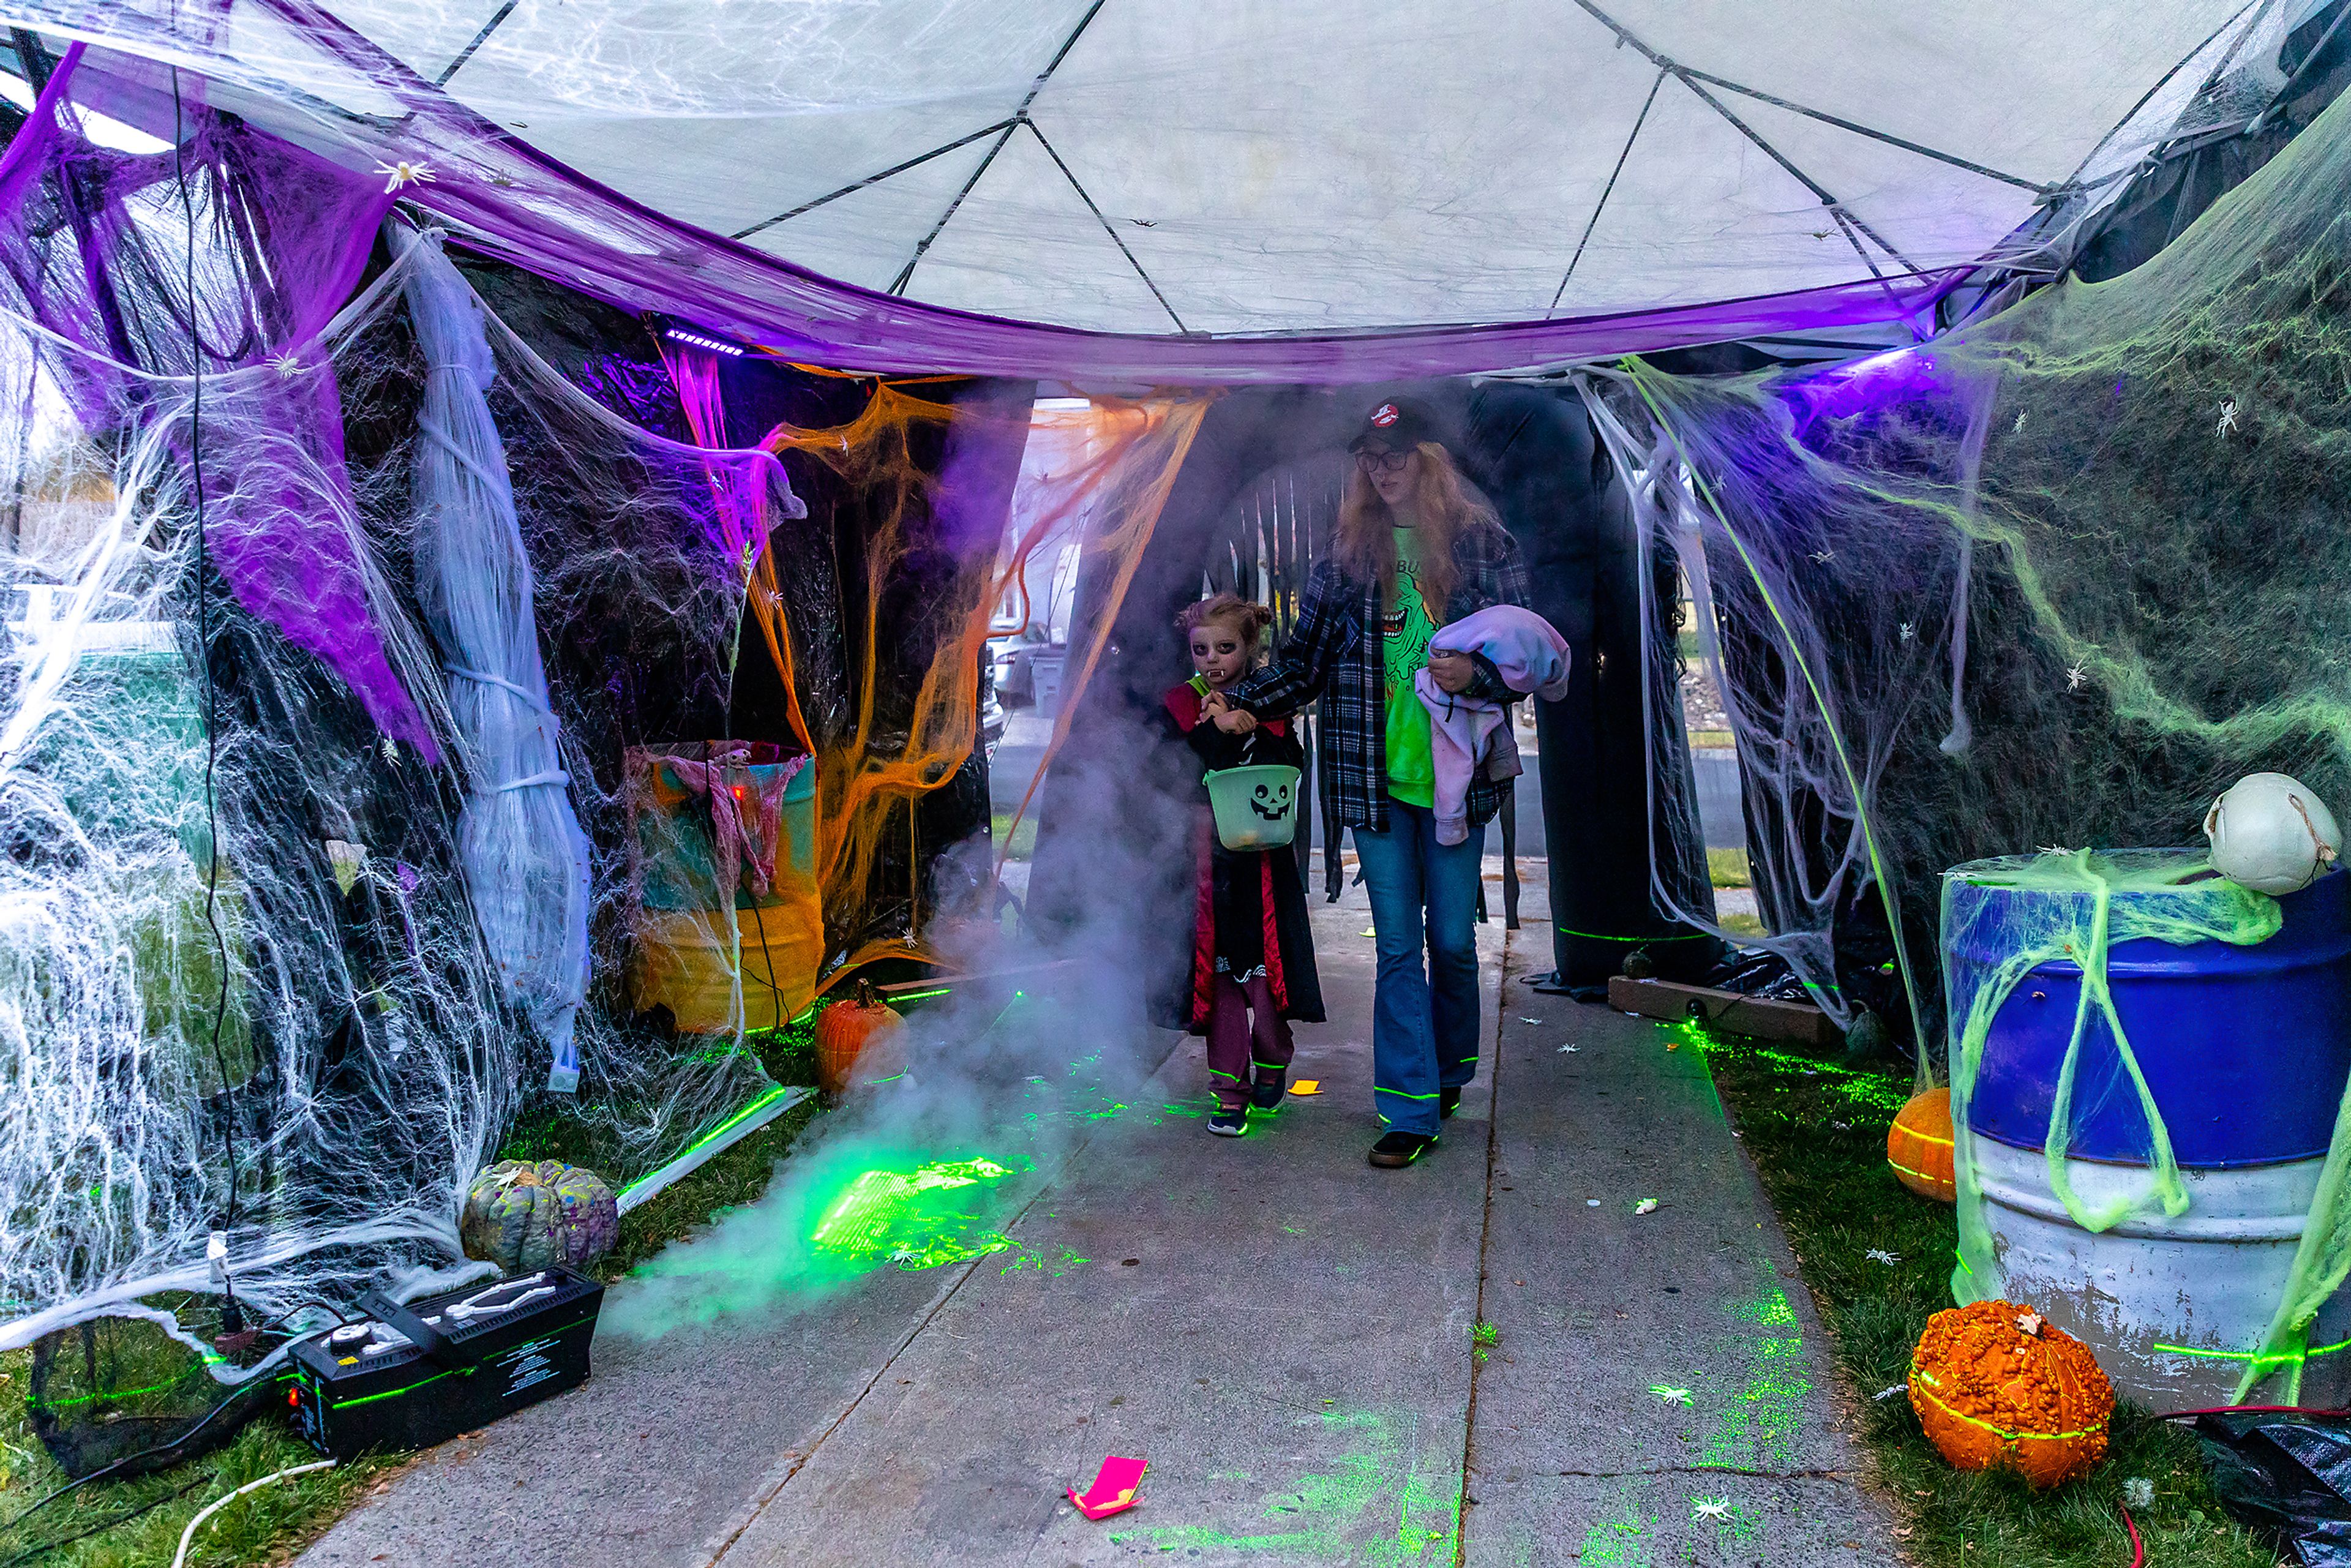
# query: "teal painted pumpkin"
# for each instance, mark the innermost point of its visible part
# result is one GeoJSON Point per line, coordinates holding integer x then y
{"type": "Point", "coordinates": [523, 1215]}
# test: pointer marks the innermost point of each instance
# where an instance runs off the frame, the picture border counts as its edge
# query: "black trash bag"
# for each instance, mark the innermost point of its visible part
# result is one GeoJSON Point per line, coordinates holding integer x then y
{"type": "Point", "coordinates": [2287, 1474]}
{"type": "Point", "coordinates": [120, 1388]}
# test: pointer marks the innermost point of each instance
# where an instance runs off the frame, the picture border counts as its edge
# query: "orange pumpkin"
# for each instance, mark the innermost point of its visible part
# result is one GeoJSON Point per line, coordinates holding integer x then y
{"type": "Point", "coordinates": [1995, 1384]}
{"type": "Point", "coordinates": [843, 1032]}
{"type": "Point", "coordinates": [1918, 1146]}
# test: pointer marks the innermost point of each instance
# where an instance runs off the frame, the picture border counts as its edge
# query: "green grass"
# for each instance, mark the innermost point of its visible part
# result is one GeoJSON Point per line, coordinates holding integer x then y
{"type": "Point", "coordinates": [268, 1526]}
{"type": "Point", "coordinates": [1716, 739]}
{"type": "Point", "coordinates": [735, 1176]}
{"type": "Point", "coordinates": [1024, 842]}
{"type": "Point", "coordinates": [271, 1525]}
{"type": "Point", "coordinates": [1838, 1199]}
{"type": "Point", "coordinates": [1729, 868]}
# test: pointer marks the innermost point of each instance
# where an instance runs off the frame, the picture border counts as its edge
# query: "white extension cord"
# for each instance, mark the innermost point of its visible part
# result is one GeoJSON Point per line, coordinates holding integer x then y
{"type": "Point", "coordinates": [179, 1558]}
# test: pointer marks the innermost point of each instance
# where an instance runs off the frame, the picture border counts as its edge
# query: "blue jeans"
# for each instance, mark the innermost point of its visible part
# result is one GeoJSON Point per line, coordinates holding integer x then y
{"type": "Point", "coordinates": [1424, 1021]}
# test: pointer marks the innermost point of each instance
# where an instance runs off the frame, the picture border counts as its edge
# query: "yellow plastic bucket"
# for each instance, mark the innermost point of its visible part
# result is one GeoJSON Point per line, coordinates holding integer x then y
{"type": "Point", "coordinates": [686, 963]}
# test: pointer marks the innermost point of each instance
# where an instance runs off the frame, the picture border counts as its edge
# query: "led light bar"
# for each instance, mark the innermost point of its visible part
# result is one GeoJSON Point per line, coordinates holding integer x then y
{"type": "Point", "coordinates": [703, 341]}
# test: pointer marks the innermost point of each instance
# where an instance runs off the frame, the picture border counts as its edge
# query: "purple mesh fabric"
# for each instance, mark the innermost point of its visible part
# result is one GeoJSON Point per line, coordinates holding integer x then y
{"type": "Point", "coordinates": [93, 249]}
{"type": "Point", "coordinates": [739, 489]}
{"type": "Point", "coordinates": [527, 208]}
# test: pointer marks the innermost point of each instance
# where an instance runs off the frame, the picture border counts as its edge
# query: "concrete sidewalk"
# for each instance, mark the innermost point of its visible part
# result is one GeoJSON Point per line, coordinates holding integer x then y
{"type": "Point", "coordinates": [1287, 1334]}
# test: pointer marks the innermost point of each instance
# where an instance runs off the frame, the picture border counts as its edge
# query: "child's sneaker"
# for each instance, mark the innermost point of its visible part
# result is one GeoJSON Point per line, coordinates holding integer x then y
{"type": "Point", "coordinates": [1229, 1124]}
{"type": "Point", "coordinates": [1267, 1095]}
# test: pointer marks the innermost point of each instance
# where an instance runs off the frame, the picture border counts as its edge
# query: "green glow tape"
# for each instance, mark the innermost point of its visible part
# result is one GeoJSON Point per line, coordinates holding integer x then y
{"type": "Point", "coordinates": [778, 1099]}
{"type": "Point", "coordinates": [2001, 1432]}
{"type": "Point", "coordinates": [2281, 1358]}
{"type": "Point", "coordinates": [922, 996]}
{"type": "Point", "coordinates": [1596, 936]}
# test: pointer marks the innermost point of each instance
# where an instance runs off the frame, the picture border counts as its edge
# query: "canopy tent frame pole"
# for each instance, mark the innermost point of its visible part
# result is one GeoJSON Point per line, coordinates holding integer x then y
{"type": "Point", "coordinates": [917, 160]}
{"type": "Point", "coordinates": [907, 274]}
{"type": "Point", "coordinates": [1609, 189]}
{"type": "Point", "coordinates": [497, 19]}
{"type": "Point", "coordinates": [1115, 237]}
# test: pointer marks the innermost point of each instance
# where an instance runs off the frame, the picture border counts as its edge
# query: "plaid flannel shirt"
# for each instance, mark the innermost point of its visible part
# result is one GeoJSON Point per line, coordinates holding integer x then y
{"type": "Point", "coordinates": [1336, 652]}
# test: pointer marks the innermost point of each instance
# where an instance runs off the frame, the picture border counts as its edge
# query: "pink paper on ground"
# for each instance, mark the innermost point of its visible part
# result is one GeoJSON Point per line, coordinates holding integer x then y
{"type": "Point", "coordinates": [1114, 1488]}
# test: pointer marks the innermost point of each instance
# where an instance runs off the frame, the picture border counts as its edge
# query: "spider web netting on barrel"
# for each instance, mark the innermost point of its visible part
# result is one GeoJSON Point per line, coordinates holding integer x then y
{"type": "Point", "coordinates": [255, 973]}
{"type": "Point", "coordinates": [2051, 580]}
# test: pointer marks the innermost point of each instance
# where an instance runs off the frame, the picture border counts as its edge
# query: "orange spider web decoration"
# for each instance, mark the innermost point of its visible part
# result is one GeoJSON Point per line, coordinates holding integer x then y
{"type": "Point", "coordinates": [870, 775]}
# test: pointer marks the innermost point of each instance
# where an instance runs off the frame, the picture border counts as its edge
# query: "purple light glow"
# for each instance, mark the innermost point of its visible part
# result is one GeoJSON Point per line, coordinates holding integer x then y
{"type": "Point", "coordinates": [1907, 374]}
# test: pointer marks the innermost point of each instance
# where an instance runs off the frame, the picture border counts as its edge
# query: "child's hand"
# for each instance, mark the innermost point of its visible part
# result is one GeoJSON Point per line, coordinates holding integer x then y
{"type": "Point", "coordinates": [1455, 672]}
{"type": "Point", "coordinates": [1215, 704]}
{"type": "Point", "coordinates": [1233, 721]}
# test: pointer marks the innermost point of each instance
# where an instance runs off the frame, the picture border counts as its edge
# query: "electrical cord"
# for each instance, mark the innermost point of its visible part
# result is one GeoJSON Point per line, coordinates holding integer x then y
{"type": "Point", "coordinates": [243, 1391]}
{"type": "Point", "coordinates": [45, 1547]}
{"type": "Point", "coordinates": [204, 628]}
{"type": "Point", "coordinates": [333, 1311]}
{"type": "Point", "coordinates": [189, 1535]}
{"type": "Point", "coordinates": [232, 1317]}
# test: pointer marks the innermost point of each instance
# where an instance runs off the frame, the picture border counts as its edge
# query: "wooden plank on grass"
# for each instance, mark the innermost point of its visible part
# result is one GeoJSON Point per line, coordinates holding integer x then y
{"type": "Point", "coordinates": [1758, 1018]}
{"type": "Point", "coordinates": [936, 985]}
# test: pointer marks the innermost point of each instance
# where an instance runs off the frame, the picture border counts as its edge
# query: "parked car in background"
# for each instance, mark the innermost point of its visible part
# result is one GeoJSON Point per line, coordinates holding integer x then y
{"type": "Point", "coordinates": [1028, 674]}
{"type": "Point", "coordinates": [992, 708]}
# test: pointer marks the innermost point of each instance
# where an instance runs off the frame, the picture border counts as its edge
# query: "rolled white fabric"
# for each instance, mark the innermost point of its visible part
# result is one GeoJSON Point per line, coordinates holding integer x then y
{"type": "Point", "coordinates": [525, 859]}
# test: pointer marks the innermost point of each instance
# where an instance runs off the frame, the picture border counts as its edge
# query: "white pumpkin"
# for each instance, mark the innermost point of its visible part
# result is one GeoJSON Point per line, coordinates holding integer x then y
{"type": "Point", "coordinates": [2271, 833]}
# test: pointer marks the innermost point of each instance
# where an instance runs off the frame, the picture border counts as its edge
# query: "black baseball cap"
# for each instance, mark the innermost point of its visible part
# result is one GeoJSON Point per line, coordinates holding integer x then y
{"type": "Point", "coordinates": [1397, 424]}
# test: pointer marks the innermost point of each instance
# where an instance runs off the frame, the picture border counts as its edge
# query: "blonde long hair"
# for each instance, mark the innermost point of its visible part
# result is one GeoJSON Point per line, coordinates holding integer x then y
{"type": "Point", "coordinates": [1363, 543]}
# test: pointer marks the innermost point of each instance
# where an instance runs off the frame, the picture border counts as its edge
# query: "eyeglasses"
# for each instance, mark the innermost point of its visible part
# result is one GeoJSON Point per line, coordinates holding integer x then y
{"type": "Point", "coordinates": [1383, 462]}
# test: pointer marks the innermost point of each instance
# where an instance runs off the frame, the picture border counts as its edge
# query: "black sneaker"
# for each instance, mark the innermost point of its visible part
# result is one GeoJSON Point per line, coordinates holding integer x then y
{"type": "Point", "coordinates": [1448, 1101]}
{"type": "Point", "coordinates": [1229, 1124]}
{"type": "Point", "coordinates": [1265, 1096]}
{"type": "Point", "coordinates": [1400, 1149]}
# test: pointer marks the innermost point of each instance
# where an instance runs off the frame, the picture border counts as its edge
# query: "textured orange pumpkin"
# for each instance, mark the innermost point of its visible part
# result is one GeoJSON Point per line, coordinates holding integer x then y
{"type": "Point", "coordinates": [843, 1032]}
{"type": "Point", "coordinates": [1996, 1385]}
{"type": "Point", "coordinates": [1918, 1146]}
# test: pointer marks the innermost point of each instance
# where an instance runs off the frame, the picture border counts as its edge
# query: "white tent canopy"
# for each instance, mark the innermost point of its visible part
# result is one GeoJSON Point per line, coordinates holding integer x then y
{"type": "Point", "coordinates": [1255, 166]}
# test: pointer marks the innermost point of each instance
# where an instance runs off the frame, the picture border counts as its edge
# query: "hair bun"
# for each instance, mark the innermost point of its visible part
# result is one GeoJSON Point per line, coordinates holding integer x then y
{"type": "Point", "coordinates": [1251, 617]}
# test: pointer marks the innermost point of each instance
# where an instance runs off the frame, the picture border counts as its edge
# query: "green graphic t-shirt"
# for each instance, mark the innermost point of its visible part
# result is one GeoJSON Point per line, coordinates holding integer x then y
{"type": "Point", "coordinates": [1411, 773]}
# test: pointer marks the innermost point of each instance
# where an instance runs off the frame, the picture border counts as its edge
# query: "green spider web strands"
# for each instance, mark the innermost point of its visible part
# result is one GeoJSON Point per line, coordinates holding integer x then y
{"type": "Point", "coordinates": [1643, 378]}
{"type": "Point", "coordinates": [2098, 530]}
{"type": "Point", "coordinates": [2057, 577]}
{"type": "Point", "coordinates": [2071, 908]}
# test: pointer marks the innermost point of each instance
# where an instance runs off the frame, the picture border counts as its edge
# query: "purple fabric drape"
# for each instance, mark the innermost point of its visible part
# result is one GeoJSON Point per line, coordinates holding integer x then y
{"type": "Point", "coordinates": [535, 211]}
{"type": "Point", "coordinates": [91, 246]}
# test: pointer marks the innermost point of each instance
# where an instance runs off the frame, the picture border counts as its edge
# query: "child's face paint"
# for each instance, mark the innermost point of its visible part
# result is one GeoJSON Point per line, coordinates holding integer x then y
{"type": "Point", "coordinates": [1220, 654]}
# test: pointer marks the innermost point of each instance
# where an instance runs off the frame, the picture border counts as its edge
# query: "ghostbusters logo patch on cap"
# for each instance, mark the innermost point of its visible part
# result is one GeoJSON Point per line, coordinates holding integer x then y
{"type": "Point", "coordinates": [1384, 415]}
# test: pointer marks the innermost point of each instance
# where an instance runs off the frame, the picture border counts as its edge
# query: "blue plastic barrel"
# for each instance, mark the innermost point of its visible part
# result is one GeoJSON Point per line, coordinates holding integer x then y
{"type": "Point", "coordinates": [2246, 1048]}
{"type": "Point", "coordinates": [2246, 1051]}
